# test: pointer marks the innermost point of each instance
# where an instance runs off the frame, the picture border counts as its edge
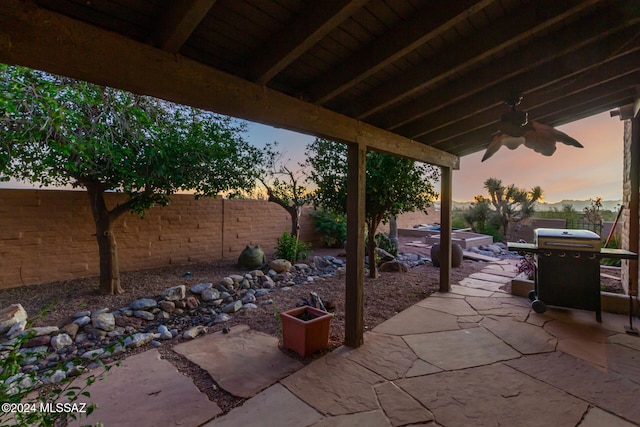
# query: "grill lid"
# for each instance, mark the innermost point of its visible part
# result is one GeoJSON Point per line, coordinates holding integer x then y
{"type": "Point", "coordinates": [578, 240]}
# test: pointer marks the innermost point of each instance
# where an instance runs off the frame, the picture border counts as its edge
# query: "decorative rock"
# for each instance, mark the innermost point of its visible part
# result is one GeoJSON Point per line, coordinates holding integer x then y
{"type": "Point", "coordinates": [81, 321]}
{"type": "Point", "coordinates": [210, 294]}
{"type": "Point", "coordinates": [143, 304]}
{"type": "Point", "coordinates": [93, 354]}
{"type": "Point", "coordinates": [249, 306]}
{"type": "Point", "coordinates": [225, 282]}
{"type": "Point", "coordinates": [164, 332]}
{"type": "Point", "coordinates": [163, 315]}
{"type": "Point", "coordinates": [236, 278]}
{"type": "Point", "coordinates": [394, 265]}
{"type": "Point", "coordinates": [126, 312]}
{"type": "Point", "coordinates": [301, 266]}
{"type": "Point", "coordinates": [197, 289]}
{"type": "Point", "coordinates": [266, 302]}
{"type": "Point", "coordinates": [248, 298]}
{"type": "Point", "coordinates": [252, 258]}
{"type": "Point", "coordinates": [194, 332]}
{"type": "Point", "coordinates": [156, 343]}
{"type": "Point", "coordinates": [232, 307]}
{"type": "Point", "coordinates": [456, 255]}
{"type": "Point", "coordinates": [17, 328]}
{"type": "Point", "coordinates": [175, 293]}
{"type": "Point", "coordinates": [261, 292]}
{"type": "Point", "coordinates": [42, 330]}
{"type": "Point", "coordinates": [60, 341]}
{"type": "Point", "coordinates": [11, 315]}
{"type": "Point", "coordinates": [144, 315]}
{"type": "Point", "coordinates": [168, 306]}
{"type": "Point", "coordinates": [257, 273]}
{"type": "Point", "coordinates": [122, 321]}
{"type": "Point", "coordinates": [95, 333]}
{"type": "Point", "coordinates": [99, 311]}
{"type": "Point", "coordinates": [191, 303]}
{"type": "Point", "coordinates": [81, 314]}
{"type": "Point", "coordinates": [138, 340]}
{"type": "Point", "coordinates": [42, 340]}
{"type": "Point", "coordinates": [280, 265]}
{"type": "Point", "coordinates": [71, 330]}
{"type": "Point", "coordinates": [104, 321]}
{"type": "Point", "coordinates": [55, 378]}
{"type": "Point", "coordinates": [221, 318]}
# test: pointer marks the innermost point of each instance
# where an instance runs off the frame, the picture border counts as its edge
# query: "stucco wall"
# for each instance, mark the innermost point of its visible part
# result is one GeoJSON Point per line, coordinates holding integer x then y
{"type": "Point", "coordinates": [48, 235]}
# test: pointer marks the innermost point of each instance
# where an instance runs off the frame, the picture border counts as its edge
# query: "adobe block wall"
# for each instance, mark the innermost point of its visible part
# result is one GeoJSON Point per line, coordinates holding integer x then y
{"type": "Point", "coordinates": [48, 235]}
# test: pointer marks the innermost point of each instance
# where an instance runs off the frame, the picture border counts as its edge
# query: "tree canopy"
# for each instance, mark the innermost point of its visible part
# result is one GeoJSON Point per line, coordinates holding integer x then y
{"type": "Point", "coordinates": [393, 185]}
{"type": "Point", "coordinates": [59, 131]}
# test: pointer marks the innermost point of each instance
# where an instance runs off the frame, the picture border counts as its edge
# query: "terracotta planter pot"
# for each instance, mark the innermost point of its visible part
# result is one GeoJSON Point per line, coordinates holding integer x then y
{"type": "Point", "coordinates": [305, 330]}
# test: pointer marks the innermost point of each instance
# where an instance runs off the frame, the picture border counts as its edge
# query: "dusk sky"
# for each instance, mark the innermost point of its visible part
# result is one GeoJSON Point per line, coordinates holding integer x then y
{"type": "Point", "coordinates": [571, 173]}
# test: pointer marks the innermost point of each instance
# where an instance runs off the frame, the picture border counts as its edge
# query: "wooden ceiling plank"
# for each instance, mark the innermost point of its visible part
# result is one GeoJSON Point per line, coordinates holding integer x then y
{"type": "Point", "coordinates": [542, 100]}
{"type": "Point", "coordinates": [400, 40]}
{"type": "Point", "coordinates": [468, 54]}
{"type": "Point", "coordinates": [85, 52]}
{"type": "Point", "coordinates": [561, 44]}
{"type": "Point", "coordinates": [177, 21]}
{"type": "Point", "coordinates": [562, 69]}
{"type": "Point", "coordinates": [299, 36]}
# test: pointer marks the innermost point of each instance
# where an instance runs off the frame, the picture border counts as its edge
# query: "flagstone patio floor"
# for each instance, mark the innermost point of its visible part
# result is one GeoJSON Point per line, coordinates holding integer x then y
{"type": "Point", "coordinates": [475, 356]}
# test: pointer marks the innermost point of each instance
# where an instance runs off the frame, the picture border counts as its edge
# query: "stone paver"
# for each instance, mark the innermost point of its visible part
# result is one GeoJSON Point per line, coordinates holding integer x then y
{"type": "Point", "coordinates": [363, 419]}
{"type": "Point", "coordinates": [496, 272]}
{"type": "Point", "coordinates": [482, 284]}
{"type": "Point", "coordinates": [500, 307]}
{"type": "Point", "coordinates": [242, 362]}
{"type": "Point", "coordinates": [491, 278]}
{"type": "Point", "coordinates": [493, 395]}
{"type": "Point", "coordinates": [335, 385]}
{"type": "Point", "coordinates": [275, 406]}
{"type": "Point", "coordinates": [417, 320]}
{"type": "Point", "coordinates": [420, 367]}
{"type": "Point", "coordinates": [596, 417]}
{"type": "Point", "coordinates": [386, 355]}
{"type": "Point", "coordinates": [466, 291]}
{"type": "Point", "coordinates": [606, 390]}
{"type": "Point", "coordinates": [400, 408]}
{"type": "Point", "coordinates": [624, 360]}
{"type": "Point", "coordinates": [460, 349]}
{"type": "Point", "coordinates": [148, 391]}
{"type": "Point", "coordinates": [625, 340]}
{"type": "Point", "coordinates": [525, 338]}
{"type": "Point", "coordinates": [454, 306]}
{"type": "Point", "coordinates": [584, 341]}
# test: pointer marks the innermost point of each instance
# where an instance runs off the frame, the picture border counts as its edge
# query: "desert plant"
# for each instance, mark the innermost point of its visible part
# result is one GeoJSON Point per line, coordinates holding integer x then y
{"type": "Point", "coordinates": [290, 248]}
{"type": "Point", "coordinates": [527, 266]}
{"type": "Point", "coordinates": [332, 226]}
{"type": "Point", "coordinates": [384, 243]}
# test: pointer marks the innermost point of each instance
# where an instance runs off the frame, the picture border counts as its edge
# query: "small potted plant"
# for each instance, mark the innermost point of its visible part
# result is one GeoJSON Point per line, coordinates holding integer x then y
{"type": "Point", "coordinates": [305, 329]}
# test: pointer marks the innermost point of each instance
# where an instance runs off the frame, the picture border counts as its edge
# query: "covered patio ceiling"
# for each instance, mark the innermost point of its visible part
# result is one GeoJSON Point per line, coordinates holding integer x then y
{"type": "Point", "coordinates": [434, 72]}
{"type": "Point", "coordinates": [415, 78]}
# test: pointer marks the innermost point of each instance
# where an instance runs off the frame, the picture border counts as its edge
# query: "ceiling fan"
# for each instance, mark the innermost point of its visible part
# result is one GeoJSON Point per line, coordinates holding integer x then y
{"type": "Point", "coordinates": [515, 129]}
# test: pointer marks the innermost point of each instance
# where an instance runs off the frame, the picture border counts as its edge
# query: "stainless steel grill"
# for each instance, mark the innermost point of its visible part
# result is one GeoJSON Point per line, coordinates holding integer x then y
{"type": "Point", "coordinates": [567, 270]}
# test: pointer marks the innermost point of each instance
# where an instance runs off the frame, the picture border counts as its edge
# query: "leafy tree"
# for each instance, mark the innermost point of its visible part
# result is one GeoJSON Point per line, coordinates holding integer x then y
{"type": "Point", "coordinates": [512, 204]}
{"type": "Point", "coordinates": [60, 131]}
{"type": "Point", "coordinates": [283, 185]}
{"type": "Point", "coordinates": [593, 216]}
{"type": "Point", "coordinates": [482, 218]}
{"type": "Point", "coordinates": [393, 185]}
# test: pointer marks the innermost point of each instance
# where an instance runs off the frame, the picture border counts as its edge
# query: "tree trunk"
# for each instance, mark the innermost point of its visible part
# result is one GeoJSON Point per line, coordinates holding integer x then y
{"type": "Point", "coordinates": [295, 220]}
{"type": "Point", "coordinates": [372, 225]}
{"type": "Point", "coordinates": [108, 249]}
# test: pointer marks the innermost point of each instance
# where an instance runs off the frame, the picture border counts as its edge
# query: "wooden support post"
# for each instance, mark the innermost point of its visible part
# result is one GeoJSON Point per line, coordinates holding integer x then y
{"type": "Point", "coordinates": [445, 229]}
{"type": "Point", "coordinates": [354, 294]}
{"type": "Point", "coordinates": [634, 202]}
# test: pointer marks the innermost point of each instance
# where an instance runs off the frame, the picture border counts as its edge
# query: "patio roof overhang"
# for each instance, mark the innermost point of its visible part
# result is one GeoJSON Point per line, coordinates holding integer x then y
{"type": "Point", "coordinates": [406, 77]}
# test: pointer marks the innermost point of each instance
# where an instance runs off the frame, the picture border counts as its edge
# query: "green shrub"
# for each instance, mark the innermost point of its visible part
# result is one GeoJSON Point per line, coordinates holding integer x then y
{"type": "Point", "coordinates": [332, 226]}
{"type": "Point", "coordinates": [383, 242]}
{"type": "Point", "coordinates": [290, 249]}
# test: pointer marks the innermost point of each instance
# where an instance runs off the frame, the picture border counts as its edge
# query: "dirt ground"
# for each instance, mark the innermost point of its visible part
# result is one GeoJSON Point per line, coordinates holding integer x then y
{"type": "Point", "coordinates": [384, 296]}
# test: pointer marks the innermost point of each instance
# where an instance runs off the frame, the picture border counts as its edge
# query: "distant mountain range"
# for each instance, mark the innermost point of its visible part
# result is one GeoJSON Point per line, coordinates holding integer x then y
{"type": "Point", "coordinates": [578, 205]}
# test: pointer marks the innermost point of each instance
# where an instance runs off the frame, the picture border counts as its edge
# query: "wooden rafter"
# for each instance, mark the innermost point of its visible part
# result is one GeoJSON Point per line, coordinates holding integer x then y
{"type": "Point", "coordinates": [177, 20]}
{"type": "Point", "coordinates": [400, 40]}
{"type": "Point", "coordinates": [303, 33]}
{"type": "Point", "coordinates": [509, 32]}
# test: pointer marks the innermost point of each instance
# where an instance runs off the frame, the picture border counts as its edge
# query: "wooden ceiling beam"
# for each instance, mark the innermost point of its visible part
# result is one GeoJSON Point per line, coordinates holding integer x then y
{"type": "Point", "coordinates": [588, 32]}
{"type": "Point", "coordinates": [89, 53]}
{"type": "Point", "coordinates": [511, 31]}
{"type": "Point", "coordinates": [400, 40]}
{"type": "Point", "coordinates": [299, 36]}
{"type": "Point", "coordinates": [586, 60]}
{"type": "Point", "coordinates": [177, 20]}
